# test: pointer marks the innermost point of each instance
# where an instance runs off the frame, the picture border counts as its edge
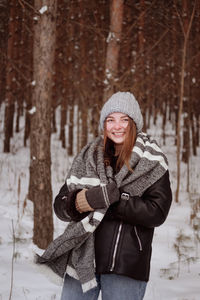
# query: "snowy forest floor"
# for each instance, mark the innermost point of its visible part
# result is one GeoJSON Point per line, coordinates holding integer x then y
{"type": "Point", "coordinates": [175, 267]}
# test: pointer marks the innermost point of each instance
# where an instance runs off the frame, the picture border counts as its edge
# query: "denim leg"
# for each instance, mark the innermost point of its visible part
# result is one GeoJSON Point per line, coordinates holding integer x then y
{"type": "Point", "coordinates": [118, 287]}
{"type": "Point", "coordinates": [72, 290]}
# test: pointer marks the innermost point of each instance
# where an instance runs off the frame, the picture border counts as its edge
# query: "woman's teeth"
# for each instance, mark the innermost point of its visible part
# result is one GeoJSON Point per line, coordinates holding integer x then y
{"type": "Point", "coordinates": [118, 133]}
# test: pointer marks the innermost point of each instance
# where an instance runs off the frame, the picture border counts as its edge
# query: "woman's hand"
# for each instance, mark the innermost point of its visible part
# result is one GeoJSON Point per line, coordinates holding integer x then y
{"type": "Point", "coordinates": [81, 202]}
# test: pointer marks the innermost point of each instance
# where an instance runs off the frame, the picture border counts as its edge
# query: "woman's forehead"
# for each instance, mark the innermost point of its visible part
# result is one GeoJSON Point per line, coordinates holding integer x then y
{"type": "Point", "coordinates": [117, 114]}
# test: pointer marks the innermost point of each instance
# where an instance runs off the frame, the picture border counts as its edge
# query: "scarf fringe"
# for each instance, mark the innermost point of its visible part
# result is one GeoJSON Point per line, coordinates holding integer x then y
{"type": "Point", "coordinates": [85, 286]}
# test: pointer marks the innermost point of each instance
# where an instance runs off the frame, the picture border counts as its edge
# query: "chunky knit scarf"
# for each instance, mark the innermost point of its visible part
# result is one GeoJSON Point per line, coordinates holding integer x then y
{"type": "Point", "coordinates": [73, 251]}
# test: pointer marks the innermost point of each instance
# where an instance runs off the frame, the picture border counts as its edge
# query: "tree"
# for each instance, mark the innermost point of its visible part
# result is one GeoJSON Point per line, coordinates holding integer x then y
{"type": "Point", "coordinates": [10, 79]}
{"type": "Point", "coordinates": [113, 47]}
{"type": "Point", "coordinates": [40, 190]}
{"type": "Point", "coordinates": [186, 28]}
{"type": "Point", "coordinates": [4, 16]}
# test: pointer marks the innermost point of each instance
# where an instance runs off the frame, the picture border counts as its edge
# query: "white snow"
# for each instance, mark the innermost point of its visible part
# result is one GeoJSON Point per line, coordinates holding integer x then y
{"type": "Point", "coordinates": [173, 276]}
{"type": "Point", "coordinates": [111, 36]}
{"type": "Point", "coordinates": [43, 9]}
{"type": "Point", "coordinates": [32, 110]}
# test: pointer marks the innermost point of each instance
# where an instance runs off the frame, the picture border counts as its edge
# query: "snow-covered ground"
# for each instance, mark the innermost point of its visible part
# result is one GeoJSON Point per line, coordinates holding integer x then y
{"type": "Point", "coordinates": [175, 271]}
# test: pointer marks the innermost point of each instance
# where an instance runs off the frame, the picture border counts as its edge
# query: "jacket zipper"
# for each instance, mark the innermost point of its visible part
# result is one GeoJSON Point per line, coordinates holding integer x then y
{"type": "Point", "coordinates": [116, 246]}
{"type": "Point", "coordinates": [138, 238]}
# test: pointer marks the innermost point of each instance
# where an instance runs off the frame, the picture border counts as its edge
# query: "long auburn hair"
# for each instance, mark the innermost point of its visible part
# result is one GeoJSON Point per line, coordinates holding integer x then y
{"type": "Point", "coordinates": [126, 150]}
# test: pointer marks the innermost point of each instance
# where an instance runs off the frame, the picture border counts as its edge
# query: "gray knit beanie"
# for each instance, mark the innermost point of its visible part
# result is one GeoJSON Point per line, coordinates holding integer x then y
{"type": "Point", "coordinates": [125, 103]}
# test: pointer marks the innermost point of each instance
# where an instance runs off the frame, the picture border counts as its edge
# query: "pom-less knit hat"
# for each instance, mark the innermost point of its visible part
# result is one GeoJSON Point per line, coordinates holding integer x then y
{"type": "Point", "coordinates": [125, 103]}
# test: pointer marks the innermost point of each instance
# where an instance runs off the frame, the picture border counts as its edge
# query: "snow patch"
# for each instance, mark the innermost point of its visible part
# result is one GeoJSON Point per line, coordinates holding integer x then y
{"type": "Point", "coordinates": [43, 9]}
{"type": "Point", "coordinates": [32, 110]}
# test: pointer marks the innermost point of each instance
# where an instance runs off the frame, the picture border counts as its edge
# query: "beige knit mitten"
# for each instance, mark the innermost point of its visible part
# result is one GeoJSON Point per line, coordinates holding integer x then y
{"type": "Point", "coordinates": [81, 202]}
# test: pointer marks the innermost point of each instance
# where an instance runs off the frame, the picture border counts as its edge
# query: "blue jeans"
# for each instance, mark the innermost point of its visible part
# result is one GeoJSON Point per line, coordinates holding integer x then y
{"type": "Point", "coordinates": [112, 286]}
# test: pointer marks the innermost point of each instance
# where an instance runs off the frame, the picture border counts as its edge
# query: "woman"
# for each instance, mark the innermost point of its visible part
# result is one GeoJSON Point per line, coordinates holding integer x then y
{"type": "Point", "coordinates": [116, 192]}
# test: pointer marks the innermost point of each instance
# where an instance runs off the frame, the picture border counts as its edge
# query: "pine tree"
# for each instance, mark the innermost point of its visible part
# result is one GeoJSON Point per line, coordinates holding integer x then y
{"type": "Point", "coordinates": [40, 190]}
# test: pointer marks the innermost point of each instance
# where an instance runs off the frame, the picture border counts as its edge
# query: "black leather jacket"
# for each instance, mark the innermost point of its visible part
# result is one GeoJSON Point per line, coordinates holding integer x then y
{"type": "Point", "coordinates": [124, 237]}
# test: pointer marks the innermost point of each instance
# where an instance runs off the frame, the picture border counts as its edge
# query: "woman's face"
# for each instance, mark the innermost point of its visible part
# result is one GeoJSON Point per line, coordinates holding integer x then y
{"type": "Point", "coordinates": [116, 126]}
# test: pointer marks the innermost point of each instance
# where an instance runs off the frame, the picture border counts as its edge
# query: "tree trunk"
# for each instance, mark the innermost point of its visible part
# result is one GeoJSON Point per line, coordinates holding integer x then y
{"type": "Point", "coordinates": [40, 166]}
{"type": "Point", "coordinates": [186, 33]}
{"type": "Point", "coordinates": [27, 66]}
{"type": "Point", "coordinates": [63, 119]}
{"type": "Point", "coordinates": [70, 130]}
{"type": "Point", "coordinates": [113, 47]}
{"type": "Point", "coordinates": [174, 71]}
{"type": "Point", "coordinates": [9, 99]}
{"type": "Point", "coordinates": [198, 129]}
{"type": "Point", "coordinates": [27, 126]}
{"type": "Point", "coordinates": [140, 67]}
{"type": "Point", "coordinates": [4, 20]}
{"type": "Point", "coordinates": [78, 124]}
{"type": "Point", "coordinates": [186, 112]}
{"type": "Point", "coordinates": [84, 125]}
{"type": "Point", "coordinates": [194, 142]}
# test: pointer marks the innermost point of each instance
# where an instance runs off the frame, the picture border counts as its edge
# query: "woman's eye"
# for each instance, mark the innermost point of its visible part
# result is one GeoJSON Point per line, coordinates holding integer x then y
{"type": "Point", "coordinates": [125, 120]}
{"type": "Point", "coordinates": [109, 120]}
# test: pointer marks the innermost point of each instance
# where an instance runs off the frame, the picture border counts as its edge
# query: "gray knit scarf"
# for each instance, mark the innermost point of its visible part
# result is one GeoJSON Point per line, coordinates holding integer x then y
{"type": "Point", "coordinates": [73, 251]}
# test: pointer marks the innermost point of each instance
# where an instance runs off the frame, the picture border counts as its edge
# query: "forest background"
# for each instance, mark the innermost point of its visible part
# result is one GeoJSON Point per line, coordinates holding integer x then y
{"type": "Point", "coordinates": [72, 55]}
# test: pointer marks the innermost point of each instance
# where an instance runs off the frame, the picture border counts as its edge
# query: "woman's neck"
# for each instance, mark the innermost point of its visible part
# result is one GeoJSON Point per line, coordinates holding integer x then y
{"type": "Point", "coordinates": [118, 148]}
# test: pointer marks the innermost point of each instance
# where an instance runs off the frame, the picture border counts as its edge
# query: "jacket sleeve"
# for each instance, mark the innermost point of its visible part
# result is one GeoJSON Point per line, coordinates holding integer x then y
{"type": "Point", "coordinates": [64, 205]}
{"type": "Point", "coordinates": [149, 210]}
{"type": "Point", "coordinates": [97, 197]}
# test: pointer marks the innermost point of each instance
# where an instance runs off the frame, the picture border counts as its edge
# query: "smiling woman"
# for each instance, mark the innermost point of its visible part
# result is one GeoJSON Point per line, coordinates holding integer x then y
{"type": "Point", "coordinates": [116, 192]}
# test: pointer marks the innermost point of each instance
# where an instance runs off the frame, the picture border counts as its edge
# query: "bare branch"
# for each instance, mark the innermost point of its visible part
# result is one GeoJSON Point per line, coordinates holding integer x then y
{"type": "Point", "coordinates": [191, 19]}
{"type": "Point", "coordinates": [22, 2]}
{"type": "Point", "coordinates": [179, 16]}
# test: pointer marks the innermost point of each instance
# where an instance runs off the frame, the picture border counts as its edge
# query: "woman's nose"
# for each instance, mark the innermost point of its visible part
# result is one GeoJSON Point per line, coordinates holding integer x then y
{"type": "Point", "coordinates": [117, 124]}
